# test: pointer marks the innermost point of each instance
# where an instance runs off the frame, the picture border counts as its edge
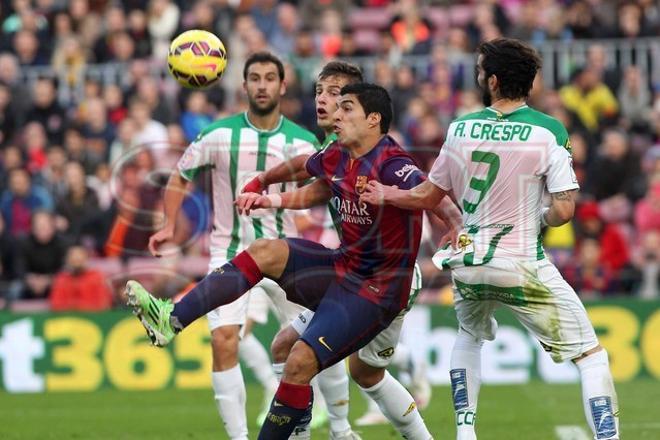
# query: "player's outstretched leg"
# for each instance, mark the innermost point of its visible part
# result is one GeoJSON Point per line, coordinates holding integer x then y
{"type": "Point", "coordinates": [153, 313]}
{"type": "Point", "coordinates": [162, 320]}
{"type": "Point", "coordinates": [465, 375]}
{"type": "Point", "coordinates": [392, 398]}
{"type": "Point", "coordinates": [601, 405]}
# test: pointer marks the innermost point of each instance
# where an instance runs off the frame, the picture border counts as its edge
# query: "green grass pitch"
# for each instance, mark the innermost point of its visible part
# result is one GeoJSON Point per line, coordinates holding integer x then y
{"type": "Point", "coordinates": [505, 412]}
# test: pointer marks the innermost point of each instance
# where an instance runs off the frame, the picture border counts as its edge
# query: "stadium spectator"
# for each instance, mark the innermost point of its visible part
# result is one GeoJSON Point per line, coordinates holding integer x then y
{"type": "Point", "coordinates": [46, 110]}
{"type": "Point", "coordinates": [51, 176]}
{"type": "Point", "coordinates": [647, 261]}
{"type": "Point", "coordinates": [78, 210]}
{"type": "Point", "coordinates": [70, 60]}
{"type": "Point", "coordinates": [40, 255]}
{"type": "Point", "coordinates": [7, 261]}
{"type": "Point", "coordinates": [635, 99]}
{"type": "Point", "coordinates": [7, 119]}
{"type": "Point", "coordinates": [587, 275]}
{"type": "Point", "coordinates": [196, 117]}
{"type": "Point", "coordinates": [284, 34]}
{"type": "Point", "coordinates": [647, 211]}
{"type": "Point", "coordinates": [411, 31]}
{"type": "Point", "coordinates": [77, 287]}
{"type": "Point", "coordinates": [614, 253]}
{"type": "Point", "coordinates": [163, 22]}
{"type": "Point", "coordinates": [616, 169]}
{"type": "Point", "coordinates": [21, 200]}
{"type": "Point", "coordinates": [9, 75]}
{"type": "Point", "coordinates": [589, 99]}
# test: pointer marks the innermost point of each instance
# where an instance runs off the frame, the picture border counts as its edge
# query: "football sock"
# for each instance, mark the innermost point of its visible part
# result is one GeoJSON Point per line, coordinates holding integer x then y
{"type": "Point", "coordinates": [333, 382]}
{"type": "Point", "coordinates": [256, 358]}
{"type": "Point", "coordinates": [291, 407]}
{"type": "Point", "coordinates": [399, 407]}
{"type": "Point", "coordinates": [465, 375]}
{"type": "Point", "coordinates": [230, 400]}
{"type": "Point", "coordinates": [222, 286]}
{"type": "Point", "coordinates": [372, 406]}
{"type": "Point", "coordinates": [598, 395]}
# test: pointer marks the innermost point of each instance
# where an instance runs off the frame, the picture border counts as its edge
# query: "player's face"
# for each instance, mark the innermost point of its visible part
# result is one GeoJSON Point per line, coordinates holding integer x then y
{"type": "Point", "coordinates": [486, 97]}
{"type": "Point", "coordinates": [327, 93]}
{"type": "Point", "coordinates": [263, 87]}
{"type": "Point", "coordinates": [350, 122]}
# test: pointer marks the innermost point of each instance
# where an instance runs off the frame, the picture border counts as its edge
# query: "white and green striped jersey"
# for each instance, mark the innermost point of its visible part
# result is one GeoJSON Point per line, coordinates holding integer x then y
{"type": "Point", "coordinates": [498, 166]}
{"type": "Point", "coordinates": [237, 151]}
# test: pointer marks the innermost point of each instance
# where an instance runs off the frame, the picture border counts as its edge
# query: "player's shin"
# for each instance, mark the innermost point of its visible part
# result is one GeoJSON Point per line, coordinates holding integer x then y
{"type": "Point", "coordinates": [222, 286]}
{"type": "Point", "coordinates": [291, 407]}
{"type": "Point", "coordinates": [399, 407]}
{"type": "Point", "coordinates": [229, 393]}
{"type": "Point", "coordinates": [601, 406]}
{"type": "Point", "coordinates": [465, 375]}
{"type": "Point", "coordinates": [333, 382]}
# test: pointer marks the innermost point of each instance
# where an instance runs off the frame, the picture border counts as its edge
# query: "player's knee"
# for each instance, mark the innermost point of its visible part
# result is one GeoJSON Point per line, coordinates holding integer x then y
{"type": "Point", "coordinates": [282, 344]}
{"type": "Point", "coordinates": [363, 374]}
{"type": "Point", "coordinates": [268, 254]}
{"type": "Point", "coordinates": [224, 345]}
{"type": "Point", "coordinates": [301, 364]}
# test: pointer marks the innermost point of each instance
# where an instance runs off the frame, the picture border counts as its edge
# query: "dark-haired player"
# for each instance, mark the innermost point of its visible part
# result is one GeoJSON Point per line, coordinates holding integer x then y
{"type": "Point", "coordinates": [356, 290]}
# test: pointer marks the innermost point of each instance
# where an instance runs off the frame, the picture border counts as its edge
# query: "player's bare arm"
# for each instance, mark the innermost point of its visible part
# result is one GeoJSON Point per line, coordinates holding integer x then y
{"type": "Point", "coordinates": [424, 196]}
{"type": "Point", "coordinates": [316, 193]}
{"type": "Point", "coordinates": [292, 170]}
{"type": "Point", "coordinates": [561, 209]}
{"type": "Point", "coordinates": [172, 200]}
{"type": "Point", "coordinates": [452, 217]}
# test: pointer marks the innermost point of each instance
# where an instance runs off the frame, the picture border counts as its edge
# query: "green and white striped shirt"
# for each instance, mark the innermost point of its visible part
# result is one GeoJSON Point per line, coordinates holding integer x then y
{"type": "Point", "coordinates": [237, 151]}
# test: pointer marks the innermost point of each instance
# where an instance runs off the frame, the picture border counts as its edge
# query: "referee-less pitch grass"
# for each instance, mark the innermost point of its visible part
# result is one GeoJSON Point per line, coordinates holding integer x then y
{"type": "Point", "coordinates": [505, 412]}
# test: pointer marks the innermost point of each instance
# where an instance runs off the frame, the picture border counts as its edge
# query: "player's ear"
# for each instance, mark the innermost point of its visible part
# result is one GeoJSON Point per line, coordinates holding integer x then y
{"type": "Point", "coordinates": [245, 86]}
{"type": "Point", "coordinates": [282, 87]}
{"type": "Point", "coordinates": [374, 119]}
{"type": "Point", "coordinates": [493, 82]}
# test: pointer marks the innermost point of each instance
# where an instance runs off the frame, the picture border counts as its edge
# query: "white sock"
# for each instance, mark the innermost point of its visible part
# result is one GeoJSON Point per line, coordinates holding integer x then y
{"type": "Point", "coordinates": [230, 400]}
{"type": "Point", "coordinates": [372, 406]}
{"type": "Point", "coordinates": [278, 371]}
{"type": "Point", "coordinates": [319, 401]}
{"type": "Point", "coordinates": [256, 358]}
{"type": "Point", "coordinates": [465, 375]}
{"type": "Point", "coordinates": [333, 382]}
{"type": "Point", "coordinates": [399, 407]}
{"type": "Point", "coordinates": [601, 405]}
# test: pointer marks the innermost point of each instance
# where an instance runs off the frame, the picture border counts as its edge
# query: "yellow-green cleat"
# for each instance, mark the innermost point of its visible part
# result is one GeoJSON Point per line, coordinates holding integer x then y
{"type": "Point", "coordinates": [153, 313]}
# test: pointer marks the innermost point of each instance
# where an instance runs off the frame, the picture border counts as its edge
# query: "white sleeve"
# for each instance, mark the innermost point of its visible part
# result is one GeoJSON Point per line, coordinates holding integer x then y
{"type": "Point", "coordinates": [560, 175]}
{"type": "Point", "coordinates": [301, 146]}
{"type": "Point", "coordinates": [439, 174]}
{"type": "Point", "coordinates": [196, 157]}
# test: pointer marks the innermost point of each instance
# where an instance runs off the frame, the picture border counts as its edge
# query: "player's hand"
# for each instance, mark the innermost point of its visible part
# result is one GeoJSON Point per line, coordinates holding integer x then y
{"type": "Point", "coordinates": [160, 237]}
{"type": "Point", "coordinates": [376, 193]}
{"type": "Point", "coordinates": [249, 201]}
{"type": "Point", "coordinates": [452, 236]}
{"type": "Point", "coordinates": [255, 185]}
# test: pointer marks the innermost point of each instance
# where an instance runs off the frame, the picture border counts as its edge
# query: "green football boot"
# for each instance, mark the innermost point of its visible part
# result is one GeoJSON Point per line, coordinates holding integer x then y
{"type": "Point", "coordinates": [153, 313]}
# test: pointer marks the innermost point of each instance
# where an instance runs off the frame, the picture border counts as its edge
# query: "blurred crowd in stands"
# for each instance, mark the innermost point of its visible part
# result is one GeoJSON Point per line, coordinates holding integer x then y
{"type": "Point", "coordinates": [83, 158]}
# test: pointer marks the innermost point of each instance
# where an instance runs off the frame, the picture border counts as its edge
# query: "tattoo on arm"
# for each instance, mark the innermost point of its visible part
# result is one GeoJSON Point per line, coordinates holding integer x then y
{"type": "Point", "coordinates": [563, 195]}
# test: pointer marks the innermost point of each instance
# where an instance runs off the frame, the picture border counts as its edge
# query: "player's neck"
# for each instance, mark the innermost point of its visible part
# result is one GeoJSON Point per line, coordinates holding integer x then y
{"type": "Point", "coordinates": [367, 144]}
{"type": "Point", "coordinates": [266, 122]}
{"type": "Point", "coordinates": [506, 106]}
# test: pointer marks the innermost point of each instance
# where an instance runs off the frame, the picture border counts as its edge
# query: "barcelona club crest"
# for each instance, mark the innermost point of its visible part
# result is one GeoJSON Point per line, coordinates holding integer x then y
{"type": "Point", "coordinates": [360, 184]}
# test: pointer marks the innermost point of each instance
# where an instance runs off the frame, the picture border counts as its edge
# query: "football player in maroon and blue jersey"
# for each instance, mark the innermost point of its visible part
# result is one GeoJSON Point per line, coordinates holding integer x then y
{"type": "Point", "coordinates": [356, 290]}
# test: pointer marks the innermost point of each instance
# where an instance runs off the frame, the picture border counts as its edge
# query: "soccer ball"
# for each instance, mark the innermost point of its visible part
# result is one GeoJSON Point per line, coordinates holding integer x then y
{"type": "Point", "coordinates": [197, 59]}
